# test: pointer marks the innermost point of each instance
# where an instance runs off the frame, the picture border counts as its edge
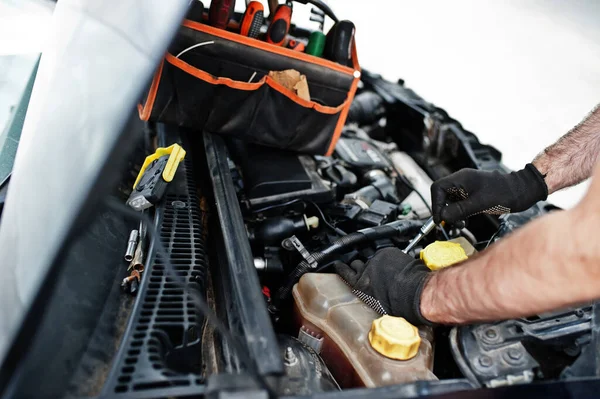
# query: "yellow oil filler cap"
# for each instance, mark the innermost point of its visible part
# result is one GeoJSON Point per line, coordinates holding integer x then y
{"type": "Point", "coordinates": [394, 337]}
{"type": "Point", "coordinates": [441, 254]}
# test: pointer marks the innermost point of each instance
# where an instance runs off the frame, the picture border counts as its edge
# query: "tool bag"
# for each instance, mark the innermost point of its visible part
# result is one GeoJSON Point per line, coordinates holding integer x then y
{"type": "Point", "coordinates": [217, 81]}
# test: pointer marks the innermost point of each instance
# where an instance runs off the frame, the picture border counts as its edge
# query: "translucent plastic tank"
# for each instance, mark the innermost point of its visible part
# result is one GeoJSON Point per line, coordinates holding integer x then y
{"type": "Point", "coordinates": [336, 323]}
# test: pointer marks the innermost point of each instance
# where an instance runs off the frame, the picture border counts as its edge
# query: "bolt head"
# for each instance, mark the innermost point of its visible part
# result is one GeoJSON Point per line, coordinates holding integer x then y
{"type": "Point", "coordinates": [491, 333]}
{"type": "Point", "coordinates": [514, 354]}
{"type": "Point", "coordinates": [485, 361]}
{"type": "Point", "coordinates": [287, 244]}
{"type": "Point", "coordinates": [179, 204]}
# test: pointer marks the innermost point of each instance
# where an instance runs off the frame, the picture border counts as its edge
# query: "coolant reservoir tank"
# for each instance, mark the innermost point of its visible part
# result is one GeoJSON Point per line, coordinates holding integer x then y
{"type": "Point", "coordinates": [337, 324]}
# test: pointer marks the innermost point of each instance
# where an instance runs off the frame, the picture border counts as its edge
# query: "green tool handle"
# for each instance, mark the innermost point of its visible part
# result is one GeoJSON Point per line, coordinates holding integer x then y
{"type": "Point", "coordinates": [316, 44]}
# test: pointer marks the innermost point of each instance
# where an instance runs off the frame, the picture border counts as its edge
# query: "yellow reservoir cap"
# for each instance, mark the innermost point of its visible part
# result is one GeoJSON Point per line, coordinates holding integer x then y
{"type": "Point", "coordinates": [394, 337]}
{"type": "Point", "coordinates": [441, 254]}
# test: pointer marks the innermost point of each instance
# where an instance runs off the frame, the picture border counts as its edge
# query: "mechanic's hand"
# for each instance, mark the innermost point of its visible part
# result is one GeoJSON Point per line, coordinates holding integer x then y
{"type": "Point", "coordinates": [391, 283]}
{"type": "Point", "coordinates": [469, 192]}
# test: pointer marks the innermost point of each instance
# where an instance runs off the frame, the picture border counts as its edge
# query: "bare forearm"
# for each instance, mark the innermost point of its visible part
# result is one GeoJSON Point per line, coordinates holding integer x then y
{"type": "Point", "coordinates": [544, 266]}
{"type": "Point", "coordinates": [572, 158]}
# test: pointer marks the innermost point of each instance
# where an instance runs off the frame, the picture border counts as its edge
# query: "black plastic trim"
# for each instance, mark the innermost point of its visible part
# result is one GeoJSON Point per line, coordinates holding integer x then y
{"type": "Point", "coordinates": [163, 324]}
{"type": "Point", "coordinates": [246, 300]}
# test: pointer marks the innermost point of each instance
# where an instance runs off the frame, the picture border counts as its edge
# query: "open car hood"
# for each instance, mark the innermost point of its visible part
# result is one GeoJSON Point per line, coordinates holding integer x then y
{"type": "Point", "coordinates": [71, 137]}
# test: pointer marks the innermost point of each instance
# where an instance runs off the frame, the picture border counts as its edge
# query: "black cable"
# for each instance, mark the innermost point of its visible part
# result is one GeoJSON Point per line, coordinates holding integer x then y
{"type": "Point", "coordinates": [327, 223]}
{"type": "Point", "coordinates": [266, 208]}
{"type": "Point", "coordinates": [325, 266]}
{"type": "Point", "coordinates": [468, 235]}
{"type": "Point", "coordinates": [336, 229]}
{"type": "Point", "coordinates": [200, 303]}
{"type": "Point", "coordinates": [494, 235]}
{"type": "Point", "coordinates": [408, 184]}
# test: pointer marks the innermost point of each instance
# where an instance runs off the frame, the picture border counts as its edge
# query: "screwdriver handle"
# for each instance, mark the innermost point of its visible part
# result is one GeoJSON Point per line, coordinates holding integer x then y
{"type": "Point", "coordinates": [220, 13]}
{"type": "Point", "coordinates": [253, 19]}
{"type": "Point", "coordinates": [338, 46]}
{"type": "Point", "coordinates": [195, 11]}
{"type": "Point", "coordinates": [316, 44]}
{"type": "Point", "coordinates": [280, 25]}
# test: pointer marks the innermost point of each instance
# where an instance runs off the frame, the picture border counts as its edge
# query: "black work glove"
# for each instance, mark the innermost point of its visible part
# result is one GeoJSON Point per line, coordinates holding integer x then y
{"type": "Point", "coordinates": [470, 192]}
{"type": "Point", "coordinates": [391, 283]}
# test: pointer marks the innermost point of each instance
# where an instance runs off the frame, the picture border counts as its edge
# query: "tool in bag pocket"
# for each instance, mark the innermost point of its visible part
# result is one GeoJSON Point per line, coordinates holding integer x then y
{"type": "Point", "coordinates": [280, 24]}
{"type": "Point", "coordinates": [252, 20]}
{"type": "Point", "coordinates": [220, 13]}
{"type": "Point", "coordinates": [218, 81]}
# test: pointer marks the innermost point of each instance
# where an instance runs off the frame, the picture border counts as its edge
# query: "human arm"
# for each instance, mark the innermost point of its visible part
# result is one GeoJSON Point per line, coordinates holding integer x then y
{"type": "Point", "coordinates": [567, 162]}
{"type": "Point", "coordinates": [551, 263]}
{"type": "Point", "coordinates": [571, 159]}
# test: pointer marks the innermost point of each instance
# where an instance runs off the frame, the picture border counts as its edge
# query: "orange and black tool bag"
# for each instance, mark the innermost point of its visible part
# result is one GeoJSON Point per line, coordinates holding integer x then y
{"type": "Point", "coordinates": [217, 81]}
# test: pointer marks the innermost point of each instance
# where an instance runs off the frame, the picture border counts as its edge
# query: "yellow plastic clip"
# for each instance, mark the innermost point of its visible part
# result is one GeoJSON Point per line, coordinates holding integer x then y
{"type": "Point", "coordinates": [176, 155]}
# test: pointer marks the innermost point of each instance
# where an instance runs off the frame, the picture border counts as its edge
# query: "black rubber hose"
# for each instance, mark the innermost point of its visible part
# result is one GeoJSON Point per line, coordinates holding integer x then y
{"type": "Point", "coordinates": [303, 267]}
{"type": "Point", "coordinates": [343, 245]}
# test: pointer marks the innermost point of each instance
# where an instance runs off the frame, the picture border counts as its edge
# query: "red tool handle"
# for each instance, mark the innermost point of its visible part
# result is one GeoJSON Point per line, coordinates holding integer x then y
{"type": "Point", "coordinates": [280, 25]}
{"type": "Point", "coordinates": [253, 19]}
{"type": "Point", "coordinates": [220, 13]}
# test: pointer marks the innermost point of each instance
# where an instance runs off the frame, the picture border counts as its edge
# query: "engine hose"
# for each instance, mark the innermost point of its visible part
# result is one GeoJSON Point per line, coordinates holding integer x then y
{"type": "Point", "coordinates": [343, 245]}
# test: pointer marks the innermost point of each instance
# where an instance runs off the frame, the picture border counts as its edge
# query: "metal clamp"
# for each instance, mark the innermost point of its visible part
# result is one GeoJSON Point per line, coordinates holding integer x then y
{"type": "Point", "coordinates": [303, 252]}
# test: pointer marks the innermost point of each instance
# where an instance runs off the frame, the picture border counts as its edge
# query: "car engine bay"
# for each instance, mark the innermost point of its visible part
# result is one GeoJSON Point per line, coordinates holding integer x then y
{"type": "Point", "coordinates": [304, 213]}
{"type": "Point", "coordinates": [256, 231]}
{"type": "Point", "coordinates": [153, 253]}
